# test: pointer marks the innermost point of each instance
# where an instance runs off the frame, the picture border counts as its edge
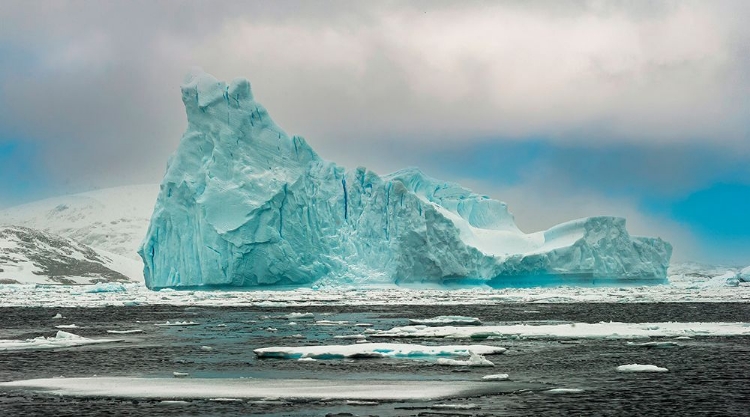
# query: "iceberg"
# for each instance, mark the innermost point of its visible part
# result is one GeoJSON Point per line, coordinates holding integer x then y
{"type": "Point", "coordinates": [242, 204]}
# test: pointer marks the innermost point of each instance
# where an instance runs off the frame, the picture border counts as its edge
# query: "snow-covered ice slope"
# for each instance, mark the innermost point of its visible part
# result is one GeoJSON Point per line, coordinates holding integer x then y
{"type": "Point", "coordinates": [29, 256]}
{"type": "Point", "coordinates": [244, 204]}
{"type": "Point", "coordinates": [112, 219]}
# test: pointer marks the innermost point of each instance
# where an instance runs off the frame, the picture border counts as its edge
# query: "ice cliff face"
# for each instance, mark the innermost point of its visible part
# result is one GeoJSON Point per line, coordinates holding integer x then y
{"type": "Point", "coordinates": [243, 204]}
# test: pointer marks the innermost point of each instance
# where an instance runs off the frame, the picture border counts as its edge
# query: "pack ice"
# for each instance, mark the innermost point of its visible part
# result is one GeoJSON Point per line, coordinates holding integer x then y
{"type": "Point", "coordinates": [244, 204]}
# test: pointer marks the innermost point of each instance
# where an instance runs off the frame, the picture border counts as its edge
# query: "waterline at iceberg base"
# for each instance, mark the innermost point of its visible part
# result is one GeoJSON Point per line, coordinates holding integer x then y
{"type": "Point", "coordinates": [242, 204]}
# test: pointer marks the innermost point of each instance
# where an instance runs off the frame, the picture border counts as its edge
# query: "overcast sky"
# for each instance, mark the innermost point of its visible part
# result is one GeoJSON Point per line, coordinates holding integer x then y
{"type": "Point", "coordinates": [561, 109]}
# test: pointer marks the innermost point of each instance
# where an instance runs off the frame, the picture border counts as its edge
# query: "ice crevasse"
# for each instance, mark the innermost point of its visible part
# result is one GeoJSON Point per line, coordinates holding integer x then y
{"type": "Point", "coordinates": [243, 204]}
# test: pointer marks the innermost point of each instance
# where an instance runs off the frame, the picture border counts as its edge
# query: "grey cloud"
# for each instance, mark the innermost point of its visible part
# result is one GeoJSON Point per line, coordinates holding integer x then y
{"type": "Point", "coordinates": [100, 93]}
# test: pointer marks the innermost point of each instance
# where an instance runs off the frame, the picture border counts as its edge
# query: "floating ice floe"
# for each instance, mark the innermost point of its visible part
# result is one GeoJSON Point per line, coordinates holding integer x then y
{"type": "Point", "coordinates": [66, 326]}
{"type": "Point", "coordinates": [125, 331]}
{"type": "Point", "coordinates": [300, 316]}
{"type": "Point", "coordinates": [608, 330]}
{"type": "Point", "coordinates": [656, 345]}
{"type": "Point", "coordinates": [496, 377]}
{"type": "Point", "coordinates": [728, 279]}
{"type": "Point", "coordinates": [177, 323]}
{"type": "Point", "coordinates": [180, 374]}
{"type": "Point", "coordinates": [61, 340]}
{"type": "Point", "coordinates": [466, 406]}
{"type": "Point", "coordinates": [640, 368]}
{"type": "Point", "coordinates": [474, 360]}
{"type": "Point", "coordinates": [58, 316]}
{"type": "Point", "coordinates": [106, 287]}
{"type": "Point", "coordinates": [261, 389]}
{"type": "Point", "coordinates": [331, 322]}
{"type": "Point", "coordinates": [351, 336]}
{"type": "Point", "coordinates": [376, 350]}
{"type": "Point", "coordinates": [564, 391]}
{"type": "Point", "coordinates": [364, 403]}
{"type": "Point", "coordinates": [448, 321]}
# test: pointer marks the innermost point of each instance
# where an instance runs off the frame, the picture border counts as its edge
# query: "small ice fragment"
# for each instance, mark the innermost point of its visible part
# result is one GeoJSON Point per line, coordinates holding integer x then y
{"type": "Point", "coordinates": [125, 331]}
{"type": "Point", "coordinates": [177, 323]}
{"type": "Point", "coordinates": [58, 316]}
{"type": "Point", "coordinates": [206, 348]}
{"type": "Point", "coordinates": [173, 402]}
{"type": "Point", "coordinates": [271, 329]}
{"type": "Point", "coordinates": [657, 345]}
{"type": "Point", "coordinates": [448, 321]}
{"type": "Point", "coordinates": [363, 324]}
{"type": "Point", "coordinates": [474, 360]}
{"type": "Point", "coordinates": [226, 400]}
{"type": "Point", "coordinates": [564, 391]}
{"type": "Point", "coordinates": [180, 374]}
{"type": "Point", "coordinates": [306, 360]}
{"type": "Point", "coordinates": [683, 338]}
{"type": "Point", "coordinates": [496, 377]}
{"type": "Point", "coordinates": [106, 287]}
{"type": "Point", "coordinates": [331, 322]}
{"type": "Point", "coordinates": [355, 402]}
{"type": "Point", "coordinates": [66, 326]}
{"type": "Point", "coordinates": [292, 323]}
{"type": "Point", "coordinates": [640, 368]}
{"type": "Point", "coordinates": [300, 316]}
{"type": "Point", "coordinates": [468, 406]}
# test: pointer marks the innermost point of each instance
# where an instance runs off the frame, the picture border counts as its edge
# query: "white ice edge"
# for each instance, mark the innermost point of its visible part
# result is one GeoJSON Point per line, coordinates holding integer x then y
{"type": "Point", "coordinates": [641, 368]}
{"type": "Point", "coordinates": [60, 340]}
{"type": "Point", "coordinates": [609, 330]}
{"type": "Point", "coordinates": [300, 389]}
{"type": "Point", "coordinates": [391, 350]}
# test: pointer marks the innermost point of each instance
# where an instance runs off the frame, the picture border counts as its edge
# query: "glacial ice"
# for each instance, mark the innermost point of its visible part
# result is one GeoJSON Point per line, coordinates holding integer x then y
{"type": "Point", "coordinates": [243, 204]}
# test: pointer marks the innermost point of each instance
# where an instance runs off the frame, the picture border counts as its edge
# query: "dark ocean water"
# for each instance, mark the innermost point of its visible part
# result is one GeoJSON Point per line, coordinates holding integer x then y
{"type": "Point", "coordinates": [708, 375]}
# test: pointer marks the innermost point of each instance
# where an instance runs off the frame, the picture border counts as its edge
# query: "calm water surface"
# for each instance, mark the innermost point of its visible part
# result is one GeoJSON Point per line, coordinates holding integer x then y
{"type": "Point", "coordinates": [708, 376]}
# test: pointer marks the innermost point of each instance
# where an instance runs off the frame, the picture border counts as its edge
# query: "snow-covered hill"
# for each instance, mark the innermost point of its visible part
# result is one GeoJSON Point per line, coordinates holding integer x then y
{"type": "Point", "coordinates": [30, 256]}
{"type": "Point", "coordinates": [113, 219]}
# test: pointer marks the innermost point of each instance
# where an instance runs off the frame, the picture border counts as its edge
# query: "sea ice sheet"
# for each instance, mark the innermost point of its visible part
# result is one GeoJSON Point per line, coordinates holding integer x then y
{"type": "Point", "coordinates": [292, 389]}
{"type": "Point", "coordinates": [376, 350]}
{"type": "Point", "coordinates": [60, 340]}
{"type": "Point", "coordinates": [609, 330]}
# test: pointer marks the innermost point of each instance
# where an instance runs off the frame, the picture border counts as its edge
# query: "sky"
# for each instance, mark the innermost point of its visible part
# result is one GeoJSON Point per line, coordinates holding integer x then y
{"type": "Point", "coordinates": [562, 109]}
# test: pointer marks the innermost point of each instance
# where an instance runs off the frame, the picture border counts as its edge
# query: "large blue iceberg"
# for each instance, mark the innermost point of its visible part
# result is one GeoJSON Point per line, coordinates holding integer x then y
{"type": "Point", "coordinates": [242, 204]}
